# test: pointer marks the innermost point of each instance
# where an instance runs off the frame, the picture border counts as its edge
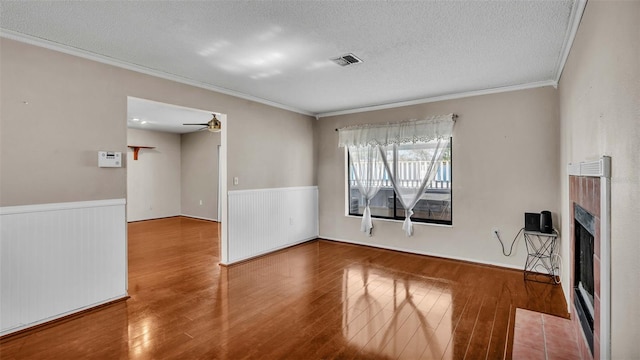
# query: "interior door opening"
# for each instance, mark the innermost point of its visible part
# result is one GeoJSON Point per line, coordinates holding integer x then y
{"type": "Point", "coordinates": [180, 169]}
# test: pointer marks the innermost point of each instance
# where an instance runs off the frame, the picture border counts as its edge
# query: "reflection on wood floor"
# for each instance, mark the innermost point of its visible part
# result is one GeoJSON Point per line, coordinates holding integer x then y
{"type": "Point", "coordinates": [318, 300]}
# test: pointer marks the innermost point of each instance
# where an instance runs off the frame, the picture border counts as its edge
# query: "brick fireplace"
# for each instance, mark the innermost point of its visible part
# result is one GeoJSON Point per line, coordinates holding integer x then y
{"type": "Point", "coordinates": [589, 189]}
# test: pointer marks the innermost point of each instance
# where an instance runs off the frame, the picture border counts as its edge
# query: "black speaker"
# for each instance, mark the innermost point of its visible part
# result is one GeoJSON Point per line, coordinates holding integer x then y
{"type": "Point", "coordinates": [532, 222]}
{"type": "Point", "coordinates": [546, 224]}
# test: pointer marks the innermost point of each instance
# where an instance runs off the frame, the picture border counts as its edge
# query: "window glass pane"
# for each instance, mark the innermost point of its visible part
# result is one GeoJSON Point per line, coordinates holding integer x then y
{"type": "Point", "coordinates": [413, 163]}
{"type": "Point", "coordinates": [435, 202]}
{"type": "Point", "coordinates": [372, 175]}
{"type": "Point", "coordinates": [381, 204]}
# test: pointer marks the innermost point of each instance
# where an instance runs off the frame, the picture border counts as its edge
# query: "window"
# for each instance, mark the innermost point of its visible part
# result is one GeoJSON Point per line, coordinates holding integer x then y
{"type": "Point", "coordinates": [434, 205]}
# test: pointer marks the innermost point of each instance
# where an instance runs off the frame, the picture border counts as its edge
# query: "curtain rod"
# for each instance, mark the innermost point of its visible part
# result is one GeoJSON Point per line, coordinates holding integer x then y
{"type": "Point", "coordinates": [455, 116]}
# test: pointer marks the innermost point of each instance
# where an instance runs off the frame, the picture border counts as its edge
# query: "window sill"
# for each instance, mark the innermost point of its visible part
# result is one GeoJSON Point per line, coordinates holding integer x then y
{"type": "Point", "coordinates": [401, 221]}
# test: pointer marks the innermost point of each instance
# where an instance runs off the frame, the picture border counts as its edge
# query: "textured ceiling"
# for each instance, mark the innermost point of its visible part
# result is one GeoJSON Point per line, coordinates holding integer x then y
{"type": "Point", "coordinates": [278, 51]}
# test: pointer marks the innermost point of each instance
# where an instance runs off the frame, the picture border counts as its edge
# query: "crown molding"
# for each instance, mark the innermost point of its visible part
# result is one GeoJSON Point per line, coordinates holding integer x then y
{"type": "Point", "coordinates": [575, 17]}
{"type": "Point", "coordinates": [442, 98]}
{"type": "Point", "coordinates": [36, 41]}
{"type": "Point", "coordinates": [570, 35]}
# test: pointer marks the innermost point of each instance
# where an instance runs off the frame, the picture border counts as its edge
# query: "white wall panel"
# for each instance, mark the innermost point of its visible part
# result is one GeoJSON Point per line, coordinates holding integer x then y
{"type": "Point", "coordinates": [57, 259]}
{"type": "Point", "coordinates": [265, 220]}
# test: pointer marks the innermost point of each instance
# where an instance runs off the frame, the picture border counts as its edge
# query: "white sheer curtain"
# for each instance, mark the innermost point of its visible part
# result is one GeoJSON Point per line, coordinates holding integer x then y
{"type": "Point", "coordinates": [366, 140]}
{"type": "Point", "coordinates": [368, 171]}
{"type": "Point", "coordinates": [409, 191]}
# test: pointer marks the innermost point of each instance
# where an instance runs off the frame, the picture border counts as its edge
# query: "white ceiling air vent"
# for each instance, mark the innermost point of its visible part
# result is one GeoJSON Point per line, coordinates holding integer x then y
{"type": "Point", "coordinates": [348, 59]}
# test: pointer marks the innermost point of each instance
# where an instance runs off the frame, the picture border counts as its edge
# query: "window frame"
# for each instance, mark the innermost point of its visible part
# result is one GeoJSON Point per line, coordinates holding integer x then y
{"type": "Point", "coordinates": [395, 201]}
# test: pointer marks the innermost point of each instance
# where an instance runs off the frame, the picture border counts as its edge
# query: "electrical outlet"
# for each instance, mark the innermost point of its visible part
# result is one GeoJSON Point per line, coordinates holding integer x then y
{"type": "Point", "coordinates": [200, 202]}
{"type": "Point", "coordinates": [235, 180]}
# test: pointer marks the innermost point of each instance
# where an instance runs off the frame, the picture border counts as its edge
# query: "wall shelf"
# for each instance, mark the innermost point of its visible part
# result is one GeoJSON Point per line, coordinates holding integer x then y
{"type": "Point", "coordinates": [137, 148]}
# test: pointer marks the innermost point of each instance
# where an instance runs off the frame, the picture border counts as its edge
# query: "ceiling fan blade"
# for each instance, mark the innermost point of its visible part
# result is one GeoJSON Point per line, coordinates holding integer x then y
{"type": "Point", "coordinates": [206, 124]}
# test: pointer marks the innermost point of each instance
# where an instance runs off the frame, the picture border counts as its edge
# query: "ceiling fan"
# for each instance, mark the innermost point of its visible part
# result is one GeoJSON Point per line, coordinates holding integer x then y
{"type": "Point", "coordinates": [214, 125]}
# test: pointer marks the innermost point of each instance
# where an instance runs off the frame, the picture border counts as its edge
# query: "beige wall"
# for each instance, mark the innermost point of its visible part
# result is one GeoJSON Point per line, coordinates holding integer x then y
{"type": "Point", "coordinates": [505, 163]}
{"type": "Point", "coordinates": [600, 115]}
{"type": "Point", "coordinates": [174, 177]}
{"type": "Point", "coordinates": [273, 149]}
{"type": "Point", "coordinates": [199, 174]}
{"type": "Point", "coordinates": [77, 107]}
{"type": "Point", "coordinates": [49, 145]}
{"type": "Point", "coordinates": [153, 181]}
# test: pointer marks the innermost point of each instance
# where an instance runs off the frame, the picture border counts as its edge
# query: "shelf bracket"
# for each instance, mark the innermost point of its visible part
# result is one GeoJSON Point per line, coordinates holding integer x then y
{"type": "Point", "coordinates": [137, 148]}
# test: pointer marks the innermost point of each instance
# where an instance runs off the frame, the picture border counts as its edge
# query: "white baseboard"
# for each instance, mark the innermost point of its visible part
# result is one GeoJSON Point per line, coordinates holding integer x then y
{"type": "Point", "coordinates": [60, 316]}
{"type": "Point", "coordinates": [153, 218]}
{"type": "Point", "coordinates": [269, 251]}
{"type": "Point", "coordinates": [199, 217]}
{"type": "Point", "coordinates": [396, 248]}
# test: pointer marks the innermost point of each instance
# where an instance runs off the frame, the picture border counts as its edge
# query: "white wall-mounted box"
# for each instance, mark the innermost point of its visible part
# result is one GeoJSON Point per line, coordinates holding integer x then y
{"type": "Point", "coordinates": [109, 159]}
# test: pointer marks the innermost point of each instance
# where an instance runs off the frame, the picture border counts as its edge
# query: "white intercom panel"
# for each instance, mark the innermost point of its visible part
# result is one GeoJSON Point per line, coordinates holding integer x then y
{"type": "Point", "coordinates": [109, 159]}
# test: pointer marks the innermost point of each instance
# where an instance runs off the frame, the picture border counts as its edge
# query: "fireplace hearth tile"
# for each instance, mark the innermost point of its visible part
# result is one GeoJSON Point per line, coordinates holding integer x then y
{"type": "Point", "coordinates": [528, 353]}
{"type": "Point", "coordinates": [542, 336]}
{"type": "Point", "coordinates": [528, 318]}
{"type": "Point", "coordinates": [531, 337]}
{"type": "Point", "coordinates": [558, 330]}
{"type": "Point", "coordinates": [582, 342]}
{"type": "Point", "coordinates": [561, 342]}
{"type": "Point", "coordinates": [563, 353]}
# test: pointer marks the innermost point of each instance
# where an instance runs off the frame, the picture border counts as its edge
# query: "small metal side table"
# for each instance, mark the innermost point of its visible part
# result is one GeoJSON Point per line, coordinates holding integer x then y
{"type": "Point", "coordinates": [541, 248]}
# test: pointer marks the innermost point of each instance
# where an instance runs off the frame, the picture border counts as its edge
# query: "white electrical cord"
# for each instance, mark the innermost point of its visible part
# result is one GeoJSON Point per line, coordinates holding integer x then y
{"type": "Point", "coordinates": [556, 268]}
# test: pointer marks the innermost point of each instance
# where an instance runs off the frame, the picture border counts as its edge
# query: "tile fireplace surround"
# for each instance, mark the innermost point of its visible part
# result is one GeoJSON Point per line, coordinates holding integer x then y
{"type": "Point", "coordinates": [589, 187]}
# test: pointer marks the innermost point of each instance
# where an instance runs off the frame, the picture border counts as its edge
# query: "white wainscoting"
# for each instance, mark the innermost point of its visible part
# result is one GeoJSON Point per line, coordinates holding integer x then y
{"type": "Point", "coordinates": [57, 259]}
{"type": "Point", "coordinates": [264, 220]}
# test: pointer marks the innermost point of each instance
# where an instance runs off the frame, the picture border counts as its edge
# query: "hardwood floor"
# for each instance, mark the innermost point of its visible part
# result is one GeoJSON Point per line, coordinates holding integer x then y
{"type": "Point", "coordinates": [318, 300]}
